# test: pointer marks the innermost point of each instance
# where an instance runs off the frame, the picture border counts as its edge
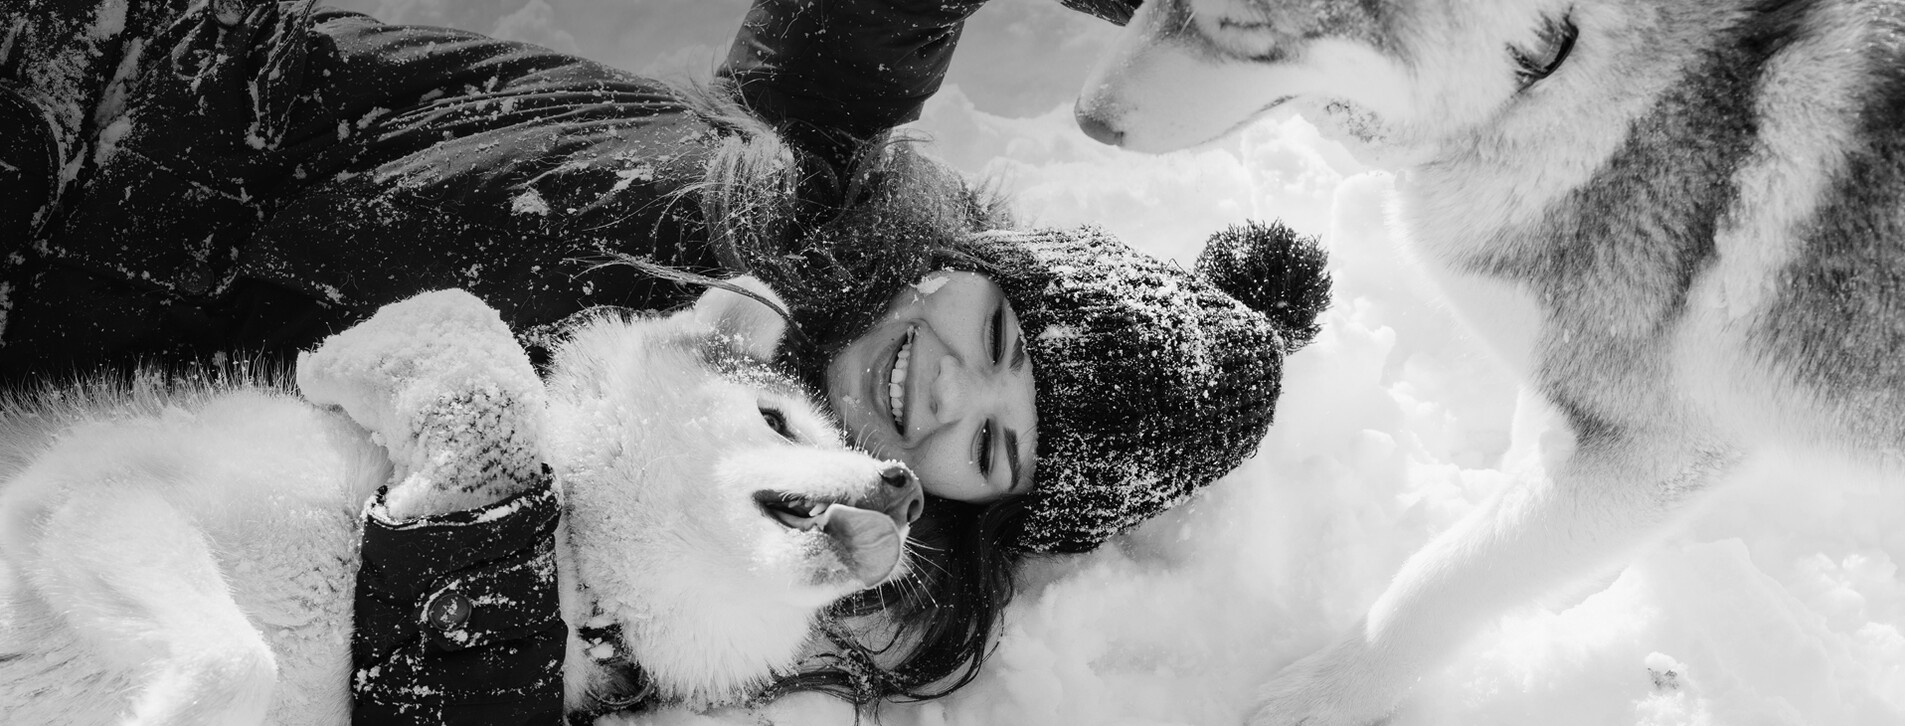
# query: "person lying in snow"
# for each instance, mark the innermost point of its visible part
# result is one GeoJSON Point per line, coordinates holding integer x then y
{"type": "Point", "coordinates": [248, 176]}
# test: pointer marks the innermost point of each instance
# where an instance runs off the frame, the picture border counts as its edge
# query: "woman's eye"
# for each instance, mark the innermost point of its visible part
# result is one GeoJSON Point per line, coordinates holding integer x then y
{"type": "Point", "coordinates": [777, 421]}
{"type": "Point", "coordinates": [982, 450]}
{"type": "Point", "coordinates": [996, 334]}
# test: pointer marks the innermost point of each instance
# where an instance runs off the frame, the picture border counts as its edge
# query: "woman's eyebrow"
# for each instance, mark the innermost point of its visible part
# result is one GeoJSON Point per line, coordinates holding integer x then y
{"type": "Point", "coordinates": [1018, 352]}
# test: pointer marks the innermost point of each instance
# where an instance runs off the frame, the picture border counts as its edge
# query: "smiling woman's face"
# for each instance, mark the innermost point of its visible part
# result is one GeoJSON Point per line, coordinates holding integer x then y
{"type": "Point", "coordinates": [941, 382]}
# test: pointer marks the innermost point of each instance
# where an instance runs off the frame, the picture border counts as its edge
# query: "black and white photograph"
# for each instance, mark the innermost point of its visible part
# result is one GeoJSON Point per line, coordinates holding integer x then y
{"type": "Point", "coordinates": [952, 362]}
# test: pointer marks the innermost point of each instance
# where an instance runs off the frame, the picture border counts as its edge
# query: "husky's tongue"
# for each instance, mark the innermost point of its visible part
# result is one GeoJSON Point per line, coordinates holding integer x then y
{"type": "Point", "coordinates": [869, 541]}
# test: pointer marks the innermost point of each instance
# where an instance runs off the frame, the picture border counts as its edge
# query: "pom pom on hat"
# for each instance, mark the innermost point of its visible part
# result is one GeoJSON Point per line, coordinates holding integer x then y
{"type": "Point", "coordinates": [1152, 382]}
{"type": "Point", "coordinates": [1275, 271]}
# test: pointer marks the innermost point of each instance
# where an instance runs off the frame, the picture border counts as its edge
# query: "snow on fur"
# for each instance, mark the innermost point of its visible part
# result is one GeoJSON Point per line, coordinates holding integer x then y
{"type": "Point", "coordinates": [441, 383]}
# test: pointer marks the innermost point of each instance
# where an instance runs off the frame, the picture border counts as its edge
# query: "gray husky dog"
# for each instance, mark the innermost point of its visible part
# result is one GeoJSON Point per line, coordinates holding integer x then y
{"type": "Point", "coordinates": [183, 555]}
{"type": "Point", "coordinates": [1684, 219]}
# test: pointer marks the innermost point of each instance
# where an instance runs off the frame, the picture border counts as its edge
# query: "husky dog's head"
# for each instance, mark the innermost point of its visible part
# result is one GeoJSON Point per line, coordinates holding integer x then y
{"type": "Point", "coordinates": [1386, 77]}
{"type": "Point", "coordinates": [710, 509]}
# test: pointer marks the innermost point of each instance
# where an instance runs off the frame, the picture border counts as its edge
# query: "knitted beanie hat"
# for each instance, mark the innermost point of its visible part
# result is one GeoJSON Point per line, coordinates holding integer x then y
{"type": "Point", "coordinates": [1151, 381]}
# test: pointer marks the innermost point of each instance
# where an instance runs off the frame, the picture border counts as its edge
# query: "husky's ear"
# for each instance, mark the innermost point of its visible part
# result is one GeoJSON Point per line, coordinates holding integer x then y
{"type": "Point", "coordinates": [750, 313]}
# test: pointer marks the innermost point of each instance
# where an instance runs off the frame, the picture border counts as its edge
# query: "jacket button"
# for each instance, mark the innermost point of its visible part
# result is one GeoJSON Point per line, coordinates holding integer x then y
{"type": "Point", "coordinates": [447, 610]}
{"type": "Point", "coordinates": [195, 280]}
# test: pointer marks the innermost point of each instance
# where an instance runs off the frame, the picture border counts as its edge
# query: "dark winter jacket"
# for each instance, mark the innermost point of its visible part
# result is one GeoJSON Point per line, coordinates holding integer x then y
{"type": "Point", "coordinates": [458, 619]}
{"type": "Point", "coordinates": [833, 73]}
{"type": "Point", "coordinates": [273, 181]}
{"type": "Point", "coordinates": [252, 176]}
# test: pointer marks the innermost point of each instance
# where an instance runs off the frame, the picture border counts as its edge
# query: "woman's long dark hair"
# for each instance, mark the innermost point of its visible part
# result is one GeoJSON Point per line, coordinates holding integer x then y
{"type": "Point", "coordinates": [838, 247]}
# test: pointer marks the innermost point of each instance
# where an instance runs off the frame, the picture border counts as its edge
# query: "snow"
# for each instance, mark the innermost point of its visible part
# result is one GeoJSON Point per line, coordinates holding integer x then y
{"type": "Point", "coordinates": [529, 202]}
{"type": "Point", "coordinates": [1778, 602]}
{"type": "Point", "coordinates": [930, 284]}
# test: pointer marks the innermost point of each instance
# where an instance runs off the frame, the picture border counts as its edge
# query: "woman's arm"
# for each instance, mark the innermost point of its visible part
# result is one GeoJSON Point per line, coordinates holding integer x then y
{"type": "Point", "coordinates": [832, 74]}
{"type": "Point", "coordinates": [456, 609]}
{"type": "Point", "coordinates": [457, 618]}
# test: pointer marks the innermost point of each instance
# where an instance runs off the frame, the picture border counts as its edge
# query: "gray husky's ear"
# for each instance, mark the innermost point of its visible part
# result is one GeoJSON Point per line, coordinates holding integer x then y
{"type": "Point", "coordinates": [748, 311]}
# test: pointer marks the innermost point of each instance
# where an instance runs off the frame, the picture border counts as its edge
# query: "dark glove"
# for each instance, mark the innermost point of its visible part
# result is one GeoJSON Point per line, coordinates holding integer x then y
{"type": "Point", "coordinates": [1116, 11]}
{"type": "Point", "coordinates": [834, 73]}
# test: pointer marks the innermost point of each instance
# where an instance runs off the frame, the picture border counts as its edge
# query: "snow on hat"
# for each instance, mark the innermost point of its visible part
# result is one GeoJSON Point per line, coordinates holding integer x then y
{"type": "Point", "coordinates": [1151, 381]}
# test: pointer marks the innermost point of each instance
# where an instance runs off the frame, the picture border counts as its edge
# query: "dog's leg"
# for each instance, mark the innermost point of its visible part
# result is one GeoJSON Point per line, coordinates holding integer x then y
{"type": "Point", "coordinates": [137, 582]}
{"type": "Point", "coordinates": [1607, 496]}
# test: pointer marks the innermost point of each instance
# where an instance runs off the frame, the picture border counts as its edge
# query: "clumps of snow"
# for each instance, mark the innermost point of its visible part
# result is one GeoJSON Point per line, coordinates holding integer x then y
{"type": "Point", "coordinates": [625, 177]}
{"type": "Point", "coordinates": [1665, 671]}
{"type": "Point", "coordinates": [371, 116]}
{"type": "Point", "coordinates": [441, 383]}
{"type": "Point", "coordinates": [529, 202]}
{"type": "Point", "coordinates": [109, 20]}
{"type": "Point", "coordinates": [930, 283]}
{"type": "Point", "coordinates": [6, 306]}
{"type": "Point", "coordinates": [1057, 332]}
{"type": "Point", "coordinates": [111, 114]}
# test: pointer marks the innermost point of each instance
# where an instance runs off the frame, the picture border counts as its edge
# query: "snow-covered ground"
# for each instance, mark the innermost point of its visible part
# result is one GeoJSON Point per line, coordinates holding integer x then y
{"type": "Point", "coordinates": [1778, 602]}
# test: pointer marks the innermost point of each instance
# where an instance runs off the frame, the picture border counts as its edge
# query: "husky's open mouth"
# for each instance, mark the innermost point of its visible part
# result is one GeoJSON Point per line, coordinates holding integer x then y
{"type": "Point", "coordinates": [794, 511]}
{"type": "Point", "coordinates": [869, 542]}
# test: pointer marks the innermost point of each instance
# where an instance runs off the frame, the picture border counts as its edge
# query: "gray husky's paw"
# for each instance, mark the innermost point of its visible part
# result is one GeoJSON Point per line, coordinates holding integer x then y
{"type": "Point", "coordinates": [441, 383]}
{"type": "Point", "coordinates": [1341, 685]}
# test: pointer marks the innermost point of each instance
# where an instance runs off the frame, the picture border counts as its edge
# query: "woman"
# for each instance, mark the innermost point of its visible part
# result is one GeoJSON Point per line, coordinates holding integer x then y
{"type": "Point", "coordinates": [252, 176]}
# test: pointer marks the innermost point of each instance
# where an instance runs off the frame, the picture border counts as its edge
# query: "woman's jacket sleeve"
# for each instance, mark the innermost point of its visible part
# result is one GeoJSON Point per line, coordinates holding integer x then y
{"type": "Point", "coordinates": [833, 73]}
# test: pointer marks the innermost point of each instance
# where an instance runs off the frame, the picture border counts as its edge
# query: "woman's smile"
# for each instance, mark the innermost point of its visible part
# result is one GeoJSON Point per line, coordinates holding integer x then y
{"type": "Point", "coordinates": [941, 383]}
{"type": "Point", "coordinates": [897, 393]}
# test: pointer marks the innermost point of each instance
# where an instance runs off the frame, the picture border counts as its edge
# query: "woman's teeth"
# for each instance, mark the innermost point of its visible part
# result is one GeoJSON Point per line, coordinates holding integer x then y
{"type": "Point", "coordinates": [895, 388]}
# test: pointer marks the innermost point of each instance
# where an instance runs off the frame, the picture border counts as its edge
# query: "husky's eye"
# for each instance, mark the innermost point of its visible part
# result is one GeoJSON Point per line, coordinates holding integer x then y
{"type": "Point", "coordinates": [777, 421]}
{"type": "Point", "coordinates": [1557, 41]}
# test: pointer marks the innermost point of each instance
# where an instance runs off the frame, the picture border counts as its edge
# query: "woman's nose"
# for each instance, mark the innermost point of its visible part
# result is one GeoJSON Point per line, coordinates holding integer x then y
{"type": "Point", "coordinates": [957, 389]}
{"type": "Point", "coordinates": [947, 387]}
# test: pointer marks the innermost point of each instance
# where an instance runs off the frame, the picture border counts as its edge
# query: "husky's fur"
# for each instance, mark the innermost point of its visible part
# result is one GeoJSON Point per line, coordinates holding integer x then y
{"type": "Point", "coordinates": [1690, 231]}
{"type": "Point", "coordinates": [182, 554]}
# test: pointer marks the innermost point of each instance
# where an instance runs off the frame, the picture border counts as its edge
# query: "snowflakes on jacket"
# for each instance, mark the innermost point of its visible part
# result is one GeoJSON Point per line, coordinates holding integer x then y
{"type": "Point", "coordinates": [458, 616]}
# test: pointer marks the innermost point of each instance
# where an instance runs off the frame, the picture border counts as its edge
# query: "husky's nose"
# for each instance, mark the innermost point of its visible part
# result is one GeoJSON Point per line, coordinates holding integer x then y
{"type": "Point", "coordinates": [1096, 127]}
{"type": "Point", "coordinates": [901, 492]}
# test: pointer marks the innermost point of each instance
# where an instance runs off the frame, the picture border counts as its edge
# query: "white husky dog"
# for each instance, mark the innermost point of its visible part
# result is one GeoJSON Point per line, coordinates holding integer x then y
{"type": "Point", "coordinates": [185, 555]}
{"type": "Point", "coordinates": [1685, 218]}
